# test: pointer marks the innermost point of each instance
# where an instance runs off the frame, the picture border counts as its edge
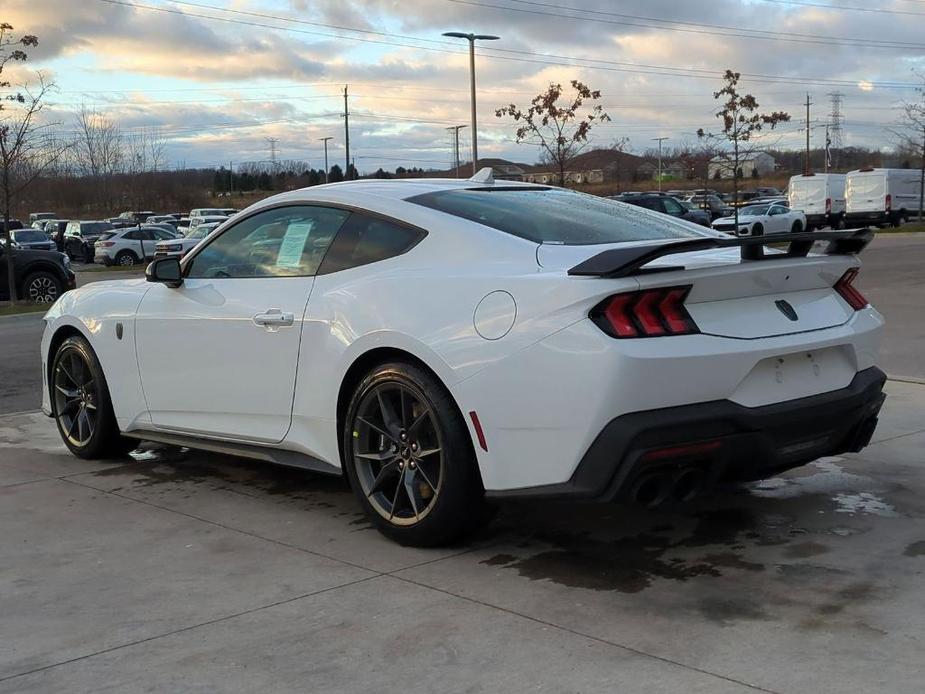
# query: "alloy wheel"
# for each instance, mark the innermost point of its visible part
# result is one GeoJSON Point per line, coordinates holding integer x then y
{"type": "Point", "coordinates": [397, 452]}
{"type": "Point", "coordinates": [42, 290]}
{"type": "Point", "coordinates": [126, 259]}
{"type": "Point", "coordinates": [76, 397]}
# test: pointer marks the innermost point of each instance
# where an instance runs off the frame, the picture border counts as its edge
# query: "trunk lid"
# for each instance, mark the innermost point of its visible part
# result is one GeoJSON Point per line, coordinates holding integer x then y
{"type": "Point", "coordinates": [735, 298]}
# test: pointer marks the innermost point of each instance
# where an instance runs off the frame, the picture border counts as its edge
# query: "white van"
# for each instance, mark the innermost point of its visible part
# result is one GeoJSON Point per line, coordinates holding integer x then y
{"type": "Point", "coordinates": [881, 196]}
{"type": "Point", "coordinates": [821, 197]}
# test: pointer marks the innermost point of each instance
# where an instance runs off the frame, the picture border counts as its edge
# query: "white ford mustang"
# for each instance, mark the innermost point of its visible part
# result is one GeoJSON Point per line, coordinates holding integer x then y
{"type": "Point", "coordinates": [440, 340]}
{"type": "Point", "coordinates": [763, 218]}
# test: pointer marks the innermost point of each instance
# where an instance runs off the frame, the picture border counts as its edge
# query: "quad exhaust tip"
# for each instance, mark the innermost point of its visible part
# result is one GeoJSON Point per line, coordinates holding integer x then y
{"type": "Point", "coordinates": [653, 489]}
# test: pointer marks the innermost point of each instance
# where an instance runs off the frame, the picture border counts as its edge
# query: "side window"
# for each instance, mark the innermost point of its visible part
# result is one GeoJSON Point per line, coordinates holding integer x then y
{"type": "Point", "coordinates": [161, 235]}
{"type": "Point", "coordinates": [282, 242]}
{"type": "Point", "coordinates": [365, 239]}
{"type": "Point", "coordinates": [133, 235]}
{"type": "Point", "coordinates": [672, 206]}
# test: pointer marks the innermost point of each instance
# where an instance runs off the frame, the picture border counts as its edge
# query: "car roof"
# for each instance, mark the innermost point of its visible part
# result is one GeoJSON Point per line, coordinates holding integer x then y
{"type": "Point", "coordinates": [399, 189]}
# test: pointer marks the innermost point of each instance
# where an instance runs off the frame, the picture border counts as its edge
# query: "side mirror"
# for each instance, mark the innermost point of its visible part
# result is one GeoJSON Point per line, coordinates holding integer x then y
{"type": "Point", "coordinates": [165, 270]}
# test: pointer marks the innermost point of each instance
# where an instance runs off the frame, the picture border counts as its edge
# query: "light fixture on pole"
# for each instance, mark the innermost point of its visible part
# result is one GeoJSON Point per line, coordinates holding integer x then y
{"type": "Point", "coordinates": [472, 38]}
{"type": "Point", "coordinates": [325, 140]}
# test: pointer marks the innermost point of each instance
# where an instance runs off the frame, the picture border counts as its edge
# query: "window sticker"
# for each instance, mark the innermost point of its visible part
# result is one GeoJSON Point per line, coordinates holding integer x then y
{"type": "Point", "coordinates": [290, 250]}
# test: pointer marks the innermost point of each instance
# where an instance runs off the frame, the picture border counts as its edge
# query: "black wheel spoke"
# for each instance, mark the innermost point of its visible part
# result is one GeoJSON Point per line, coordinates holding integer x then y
{"type": "Point", "coordinates": [382, 456]}
{"type": "Point", "coordinates": [388, 470]}
{"type": "Point", "coordinates": [387, 410]}
{"type": "Point", "coordinates": [377, 429]}
{"type": "Point", "coordinates": [411, 491]}
{"type": "Point", "coordinates": [67, 373]}
{"type": "Point", "coordinates": [70, 430]}
{"type": "Point", "coordinates": [69, 393]}
{"type": "Point", "coordinates": [398, 490]}
{"type": "Point", "coordinates": [421, 418]}
{"type": "Point", "coordinates": [420, 471]}
{"type": "Point", "coordinates": [424, 452]}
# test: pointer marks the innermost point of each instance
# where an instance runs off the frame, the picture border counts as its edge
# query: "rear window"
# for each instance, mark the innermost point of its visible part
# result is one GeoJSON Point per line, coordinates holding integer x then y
{"type": "Point", "coordinates": [553, 215]}
{"type": "Point", "coordinates": [28, 236]}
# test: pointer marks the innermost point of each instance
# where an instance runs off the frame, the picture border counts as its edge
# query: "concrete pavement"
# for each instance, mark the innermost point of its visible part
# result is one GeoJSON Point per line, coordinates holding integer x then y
{"type": "Point", "coordinates": [188, 572]}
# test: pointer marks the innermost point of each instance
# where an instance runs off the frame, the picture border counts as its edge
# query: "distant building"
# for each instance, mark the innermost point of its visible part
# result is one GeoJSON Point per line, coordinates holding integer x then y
{"type": "Point", "coordinates": [754, 165]}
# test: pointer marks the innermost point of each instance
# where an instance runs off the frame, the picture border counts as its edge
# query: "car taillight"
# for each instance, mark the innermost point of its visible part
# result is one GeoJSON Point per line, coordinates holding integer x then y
{"type": "Point", "coordinates": [106, 244]}
{"type": "Point", "coordinates": [648, 313]}
{"type": "Point", "coordinates": [848, 292]}
{"type": "Point", "coordinates": [888, 202]}
{"type": "Point", "coordinates": [828, 205]}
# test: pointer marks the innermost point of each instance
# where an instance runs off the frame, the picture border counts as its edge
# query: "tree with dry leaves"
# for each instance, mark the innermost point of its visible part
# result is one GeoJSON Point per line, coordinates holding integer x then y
{"type": "Point", "coordinates": [741, 124]}
{"type": "Point", "coordinates": [558, 123]}
{"type": "Point", "coordinates": [27, 147]}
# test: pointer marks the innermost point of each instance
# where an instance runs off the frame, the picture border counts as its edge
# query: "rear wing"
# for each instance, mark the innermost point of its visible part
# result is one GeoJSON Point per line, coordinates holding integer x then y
{"type": "Point", "coordinates": [624, 262]}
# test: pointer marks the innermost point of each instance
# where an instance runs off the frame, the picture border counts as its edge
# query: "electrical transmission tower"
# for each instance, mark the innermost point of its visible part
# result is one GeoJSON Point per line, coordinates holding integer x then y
{"type": "Point", "coordinates": [272, 141]}
{"type": "Point", "coordinates": [835, 126]}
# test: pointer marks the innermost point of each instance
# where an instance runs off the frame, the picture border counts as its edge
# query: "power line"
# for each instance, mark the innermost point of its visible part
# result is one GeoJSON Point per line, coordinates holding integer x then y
{"type": "Point", "coordinates": [693, 27]}
{"type": "Point", "coordinates": [799, 3]}
{"type": "Point", "coordinates": [601, 65]}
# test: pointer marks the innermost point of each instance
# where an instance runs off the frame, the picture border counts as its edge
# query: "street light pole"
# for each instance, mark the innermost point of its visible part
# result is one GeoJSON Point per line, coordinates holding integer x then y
{"type": "Point", "coordinates": [659, 139]}
{"type": "Point", "coordinates": [325, 140]}
{"type": "Point", "coordinates": [472, 38]}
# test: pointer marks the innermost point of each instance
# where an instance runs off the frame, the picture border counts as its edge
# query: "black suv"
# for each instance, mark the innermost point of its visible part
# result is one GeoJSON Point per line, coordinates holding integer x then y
{"type": "Point", "coordinates": [80, 237]}
{"type": "Point", "coordinates": [665, 204]}
{"type": "Point", "coordinates": [41, 276]}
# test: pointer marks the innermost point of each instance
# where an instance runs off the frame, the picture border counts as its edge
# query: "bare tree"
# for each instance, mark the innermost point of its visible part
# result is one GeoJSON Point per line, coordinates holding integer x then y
{"type": "Point", "coordinates": [741, 123]}
{"type": "Point", "coordinates": [99, 151]}
{"type": "Point", "coordinates": [559, 130]}
{"type": "Point", "coordinates": [27, 148]}
{"type": "Point", "coordinates": [910, 135]}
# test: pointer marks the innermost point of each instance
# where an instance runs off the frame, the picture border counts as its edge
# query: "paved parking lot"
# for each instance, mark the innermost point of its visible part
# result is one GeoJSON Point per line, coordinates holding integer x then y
{"type": "Point", "coordinates": [190, 572]}
{"type": "Point", "coordinates": [176, 571]}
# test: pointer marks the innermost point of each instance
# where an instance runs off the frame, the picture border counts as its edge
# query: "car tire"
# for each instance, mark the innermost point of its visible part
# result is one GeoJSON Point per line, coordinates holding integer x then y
{"type": "Point", "coordinates": [81, 404]}
{"type": "Point", "coordinates": [409, 457]}
{"type": "Point", "coordinates": [42, 287]}
{"type": "Point", "coordinates": [757, 230]}
{"type": "Point", "coordinates": [126, 258]}
{"type": "Point", "coordinates": [796, 228]}
{"type": "Point", "coordinates": [900, 219]}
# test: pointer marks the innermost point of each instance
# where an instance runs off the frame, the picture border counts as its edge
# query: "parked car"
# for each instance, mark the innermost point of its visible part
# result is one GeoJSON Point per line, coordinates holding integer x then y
{"type": "Point", "coordinates": [130, 246]}
{"type": "Point", "coordinates": [32, 238]}
{"type": "Point", "coordinates": [666, 205]}
{"type": "Point", "coordinates": [821, 197]}
{"type": "Point", "coordinates": [698, 216]}
{"type": "Point", "coordinates": [36, 216]}
{"type": "Point", "coordinates": [710, 204]}
{"type": "Point", "coordinates": [206, 219]}
{"type": "Point", "coordinates": [183, 225]}
{"type": "Point", "coordinates": [80, 237]}
{"type": "Point", "coordinates": [40, 276]}
{"type": "Point", "coordinates": [437, 340]}
{"type": "Point", "coordinates": [880, 196]}
{"type": "Point", "coordinates": [122, 222]}
{"type": "Point", "coordinates": [136, 217]}
{"type": "Point", "coordinates": [182, 245]}
{"type": "Point", "coordinates": [162, 219]}
{"type": "Point", "coordinates": [768, 192]}
{"type": "Point", "coordinates": [211, 212]}
{"type": "Point", "coordinates": [761, 219]}
{"type": "Point", "coordinates": [13, 224]}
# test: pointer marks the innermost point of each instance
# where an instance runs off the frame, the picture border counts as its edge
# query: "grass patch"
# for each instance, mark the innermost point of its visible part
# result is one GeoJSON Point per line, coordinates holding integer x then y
{"type": "Point", "coordinates": [911, 227]}
{"type": "Point", "coordinates": [18, 309]}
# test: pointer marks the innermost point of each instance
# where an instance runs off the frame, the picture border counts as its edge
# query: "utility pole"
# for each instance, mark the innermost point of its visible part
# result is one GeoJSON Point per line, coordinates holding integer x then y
{"type": "Point", "coordinates": [231, 177]}
{"type": "Point", "coordinates": [455, 130]}
{"type": "Point", "coordinates": [659, 140]}
{"type": "Point", "coordinates": [346, 137]}
{"type": "Point", "coordinates": [825, 154]}
{"type": "Point", "coordinates": [325, 140]}
{"type": "Point", "coordinates": [806, 157]}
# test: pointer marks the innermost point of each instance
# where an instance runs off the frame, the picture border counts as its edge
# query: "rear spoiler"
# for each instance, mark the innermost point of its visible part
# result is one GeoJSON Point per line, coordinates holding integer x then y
{"type": "Point", "coordinates": [624, 262]}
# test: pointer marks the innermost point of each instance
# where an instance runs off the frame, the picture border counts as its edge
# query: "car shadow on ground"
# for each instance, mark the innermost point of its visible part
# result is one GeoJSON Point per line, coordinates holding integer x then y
{"type": "Point", "coordinates": [794, 526]}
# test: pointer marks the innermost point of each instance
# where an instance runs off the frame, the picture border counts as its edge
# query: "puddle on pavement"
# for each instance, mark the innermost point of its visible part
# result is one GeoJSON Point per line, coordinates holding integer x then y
{"type": "Point", "coordinates": [719, 535]}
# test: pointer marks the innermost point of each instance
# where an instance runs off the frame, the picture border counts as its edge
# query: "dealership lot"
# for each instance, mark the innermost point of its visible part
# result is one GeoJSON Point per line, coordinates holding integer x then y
{"type": "Point", "coordinates": [180, 571]}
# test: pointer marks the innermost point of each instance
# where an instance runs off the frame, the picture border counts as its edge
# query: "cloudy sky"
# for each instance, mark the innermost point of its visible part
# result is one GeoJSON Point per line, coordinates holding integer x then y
{"type": "Point", "coordinates": [218, 78]}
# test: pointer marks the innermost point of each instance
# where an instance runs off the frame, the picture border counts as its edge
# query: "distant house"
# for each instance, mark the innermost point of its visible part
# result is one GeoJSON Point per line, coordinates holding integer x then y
{"type": "Point", "coordinates": [594, 166]}
{"type": "Point", "coordinates": [648, 170]}
{"type": "Point", "coordinates": [754, 165]}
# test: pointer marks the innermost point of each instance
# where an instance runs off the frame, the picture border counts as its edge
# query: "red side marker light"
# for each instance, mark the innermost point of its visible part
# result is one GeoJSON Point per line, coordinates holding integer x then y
{"type": "Point", "coordinates": [478, 430]}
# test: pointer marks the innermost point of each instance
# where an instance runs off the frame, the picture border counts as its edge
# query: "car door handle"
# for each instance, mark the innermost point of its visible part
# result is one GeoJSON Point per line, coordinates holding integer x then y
{"type": "Point", "coordinates": [273, 319]}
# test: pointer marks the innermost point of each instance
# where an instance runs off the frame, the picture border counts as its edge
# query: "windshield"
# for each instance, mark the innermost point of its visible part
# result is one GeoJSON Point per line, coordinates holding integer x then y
{"type": "Point", "coordinates": [755, 210]}
{"type": "Point", "coordinates": [28, 236]}
{"type": "Point", "coordinates": [201, 231]}
{"type": "Point", "coordinates": [553, 215]}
